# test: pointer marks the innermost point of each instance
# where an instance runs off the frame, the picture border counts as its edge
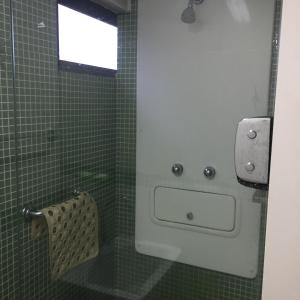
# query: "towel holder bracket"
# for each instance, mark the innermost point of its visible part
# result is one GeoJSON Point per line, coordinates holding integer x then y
{"type": "Point", "coordinates": [29, 213]}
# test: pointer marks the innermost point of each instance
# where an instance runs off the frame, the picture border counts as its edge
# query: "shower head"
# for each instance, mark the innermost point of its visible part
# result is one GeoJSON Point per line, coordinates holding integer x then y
{"type": "Point", "coordinates": [188, 15]}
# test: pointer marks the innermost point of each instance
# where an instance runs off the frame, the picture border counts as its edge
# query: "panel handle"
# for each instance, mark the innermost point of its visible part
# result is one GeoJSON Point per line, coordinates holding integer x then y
{"type": "Point", "coordinates": [252, 152]}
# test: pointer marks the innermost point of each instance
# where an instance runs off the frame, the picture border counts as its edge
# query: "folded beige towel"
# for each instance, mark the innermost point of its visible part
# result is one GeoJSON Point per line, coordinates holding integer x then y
{"type": "Point", "coordinates": [72, 228]}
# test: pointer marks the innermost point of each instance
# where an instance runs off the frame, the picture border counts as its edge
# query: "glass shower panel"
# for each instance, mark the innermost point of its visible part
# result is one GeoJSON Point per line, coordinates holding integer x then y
{"type": "Point", "coordinates": [38, 152]}
{"type": "Point", "coordinates": [154, 146]}
{"type": "Point", "coordinates": [65, 142]}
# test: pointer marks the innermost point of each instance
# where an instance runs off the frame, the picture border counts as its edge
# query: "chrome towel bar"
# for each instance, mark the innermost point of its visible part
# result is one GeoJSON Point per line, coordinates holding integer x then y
{"type": "Point", "coordinates": [29, 213]}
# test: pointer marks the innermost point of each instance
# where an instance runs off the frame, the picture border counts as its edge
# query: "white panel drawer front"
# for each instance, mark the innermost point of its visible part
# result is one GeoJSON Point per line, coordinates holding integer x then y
{"type": "Point", "coordinates": [194, 208]}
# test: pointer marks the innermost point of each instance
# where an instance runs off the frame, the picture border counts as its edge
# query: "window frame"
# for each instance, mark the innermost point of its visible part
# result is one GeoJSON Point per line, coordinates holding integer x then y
{"type": "Point", "coordinates": [93, 10]}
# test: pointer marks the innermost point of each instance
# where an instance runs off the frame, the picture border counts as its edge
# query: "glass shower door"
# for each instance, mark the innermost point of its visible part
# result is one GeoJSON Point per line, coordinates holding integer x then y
{"type": "Point", "coordinates": [65, 141]}
{"type": "Point", "coordinates": [154, 146]}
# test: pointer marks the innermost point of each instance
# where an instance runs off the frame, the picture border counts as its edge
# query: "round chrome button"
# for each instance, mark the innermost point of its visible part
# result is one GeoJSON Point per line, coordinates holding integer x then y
{"type": "Point", "coordinates": [252, 134]}
{"type": "Point", "coordinates": [177, 169]}
{"type": "Point", "coordinates": [250, 167]}
{"type": "Point", "coordinates": [209, 172]}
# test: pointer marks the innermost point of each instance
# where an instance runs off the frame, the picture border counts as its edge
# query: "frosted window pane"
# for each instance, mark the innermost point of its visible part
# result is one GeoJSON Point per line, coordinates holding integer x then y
{"type": "Point", "coordinates": [86, 40]}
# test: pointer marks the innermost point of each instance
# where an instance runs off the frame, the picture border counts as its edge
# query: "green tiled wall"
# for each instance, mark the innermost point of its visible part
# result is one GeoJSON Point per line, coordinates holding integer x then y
{"type": "Point", "coordinates": [66, 139]}
{"type": "Point", "coordinates": [8, 239]}
{"type": "Point", "coordinates": [62, 126]}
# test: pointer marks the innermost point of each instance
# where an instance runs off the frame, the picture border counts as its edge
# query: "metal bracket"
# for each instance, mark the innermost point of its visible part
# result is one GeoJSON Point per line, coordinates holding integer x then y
{"type": "Point", "coordinates": [252, 152]}
{"type": "Point", "coordinates": [29, 213]}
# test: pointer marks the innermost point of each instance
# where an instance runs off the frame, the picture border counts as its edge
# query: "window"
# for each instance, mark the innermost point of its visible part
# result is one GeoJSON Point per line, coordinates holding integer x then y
{"type": "Point", "coordinates": [88, 37]}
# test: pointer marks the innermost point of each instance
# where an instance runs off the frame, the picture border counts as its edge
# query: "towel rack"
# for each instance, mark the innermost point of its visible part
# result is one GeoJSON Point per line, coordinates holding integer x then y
{"type": "Point", "coordinates": [29, 213]}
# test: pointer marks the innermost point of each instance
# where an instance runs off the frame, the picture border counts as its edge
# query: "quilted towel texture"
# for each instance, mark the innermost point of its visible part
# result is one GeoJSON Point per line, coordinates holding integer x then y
{"type": "Point", "coordinates": [72, 228]}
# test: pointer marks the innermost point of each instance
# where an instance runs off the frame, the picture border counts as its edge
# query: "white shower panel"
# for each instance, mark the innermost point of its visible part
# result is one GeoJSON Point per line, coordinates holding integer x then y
{"type": "Point", "coordinates": [194, 84]}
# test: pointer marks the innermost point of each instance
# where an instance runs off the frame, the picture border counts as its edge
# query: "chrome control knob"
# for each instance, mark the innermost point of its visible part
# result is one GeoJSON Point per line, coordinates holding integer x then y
{"type": "Point", "coordinates": [190, 216]}
{"type": "Point", "coordinates": [252, 134]}
{"type": "Point", "coordinates": [177, 169]}
{"type": "Point", "coordinates": [209, 172]}
{"type": "Point", "coordinates": [250, 167]}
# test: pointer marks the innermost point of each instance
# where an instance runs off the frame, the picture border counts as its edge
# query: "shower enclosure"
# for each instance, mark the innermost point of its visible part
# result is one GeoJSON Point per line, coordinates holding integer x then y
{"type": "Point", "coordinates": [156, 145]}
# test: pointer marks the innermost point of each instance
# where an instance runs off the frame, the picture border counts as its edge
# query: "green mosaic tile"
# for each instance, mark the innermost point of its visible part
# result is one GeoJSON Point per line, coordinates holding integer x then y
{"type": "Point", "coordinates": [8, 242]}
{"type": "Point", "coordinates": [65, 134]}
